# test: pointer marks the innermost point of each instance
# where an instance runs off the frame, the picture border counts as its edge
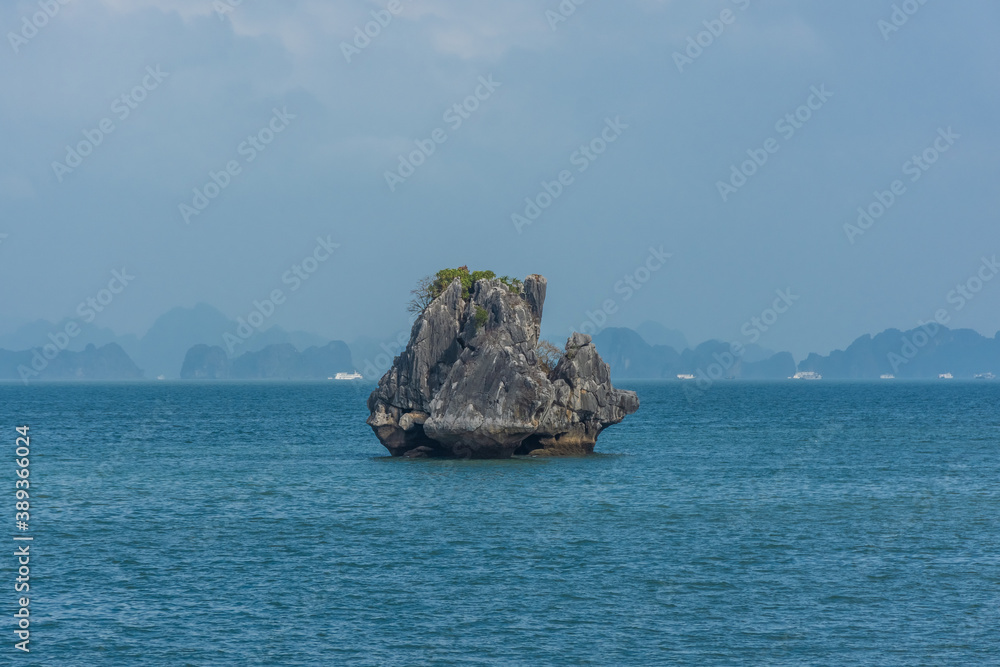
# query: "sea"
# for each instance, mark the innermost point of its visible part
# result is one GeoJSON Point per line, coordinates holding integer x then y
{"type": "Point", "coordinates": [784, 523]}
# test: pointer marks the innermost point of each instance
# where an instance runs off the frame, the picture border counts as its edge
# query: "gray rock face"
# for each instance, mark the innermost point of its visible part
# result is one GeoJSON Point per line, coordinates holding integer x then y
{"type": "Point", "coordinates": [470, 384]}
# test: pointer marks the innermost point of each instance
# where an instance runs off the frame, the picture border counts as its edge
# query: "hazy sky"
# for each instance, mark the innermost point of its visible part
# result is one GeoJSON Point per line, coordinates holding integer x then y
{"type": "Point", "coordinates": [183, 85]}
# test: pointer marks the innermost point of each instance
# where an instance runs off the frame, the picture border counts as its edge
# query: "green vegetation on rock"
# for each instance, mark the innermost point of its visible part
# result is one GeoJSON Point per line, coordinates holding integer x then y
{"type": "Point", "coordinates": [431, 287]}
{"type": "Point", "coordinates": [482, 315]}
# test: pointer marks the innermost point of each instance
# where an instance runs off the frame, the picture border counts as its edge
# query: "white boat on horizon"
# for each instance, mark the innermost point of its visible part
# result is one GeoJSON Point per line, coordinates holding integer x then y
{"type": "Point", "coordinates": [887, 376]}
{"type": "Point", "coordinates": [986, 376]}
{"type": "Point", "coordinates": [806, 375]}
{"type": "Point", "coordinates": [685, 376]}
{"type": "Point", "coordinates": [946, 376]}
{"type": "Point", "coordinates": [348, 376]}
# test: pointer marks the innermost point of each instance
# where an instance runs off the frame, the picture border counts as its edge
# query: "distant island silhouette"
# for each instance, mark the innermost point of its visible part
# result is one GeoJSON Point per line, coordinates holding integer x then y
{"type": "Point", "coordinates": [180, 345]}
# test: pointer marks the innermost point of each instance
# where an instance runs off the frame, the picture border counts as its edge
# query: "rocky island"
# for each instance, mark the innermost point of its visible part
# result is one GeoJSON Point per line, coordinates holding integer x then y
{"type": "Point", "coordinates": [473, 381]}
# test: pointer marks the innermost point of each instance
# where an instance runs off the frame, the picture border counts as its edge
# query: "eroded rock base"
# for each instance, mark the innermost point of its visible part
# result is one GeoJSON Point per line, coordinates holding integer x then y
{"type": "Point", "coordinates": [470, 385]}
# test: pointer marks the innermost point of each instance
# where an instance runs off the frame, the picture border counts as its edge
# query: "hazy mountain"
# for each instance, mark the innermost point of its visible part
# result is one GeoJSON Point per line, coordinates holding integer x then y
{"type": "Point", "coordinates": [109, 362]}
{"type": "Point", "coordinates": [162, 349]}
{"type": "Point", "coordinates": [38, 333]}
{"type": "Point", "coordinates": [655, 333]}
{"type": "Point", "coordinates": [274, 362]}
{"type": "Point", "coordinates": [326, 361]}
{"type": "Point", "coordinates": [755, 353]}
{"type": "Point", "coordinates": [8, 324]}
{"type": "Point", "coordinates": [631, 357]}
{"type": "Point", "coordinates": [716, 360]}
{"type": "Point", "coordinates": [276, 336]}
{"type": "Point", "coordinates": [187, 342]}
{"type": "Point", "coordinates": [777, 366]}
{"type": "Point", "coordinates": [917, 354]}
{"type": "Point", "coordinates": [204, 362]}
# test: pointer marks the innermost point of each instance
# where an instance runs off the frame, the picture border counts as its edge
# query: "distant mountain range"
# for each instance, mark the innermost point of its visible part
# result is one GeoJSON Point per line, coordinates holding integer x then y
{"type": "Point", "coordinates": [655, 333]}
{"type": "Point", "coordinates": [162, 349]}
{"type": "Point", "coordinates": [109, 362]}
{"type": "Point", "coordinates": [274, 362]}
{"type": "Point", "coordinates": [631, 357]}
{"type": "Point", "coordinates": [915, 354]}
{"type": "Point", "coordinates": [188, 343]}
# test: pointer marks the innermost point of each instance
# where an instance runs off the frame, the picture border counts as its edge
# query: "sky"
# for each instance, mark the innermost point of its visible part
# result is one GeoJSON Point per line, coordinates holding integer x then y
{"type": "Point", "coordinates": [700, 164]}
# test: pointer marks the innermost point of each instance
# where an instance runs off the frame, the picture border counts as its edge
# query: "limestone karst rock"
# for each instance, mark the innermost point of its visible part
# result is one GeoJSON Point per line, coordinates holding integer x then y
{"type": "Point", "coordinates": [470, 384]}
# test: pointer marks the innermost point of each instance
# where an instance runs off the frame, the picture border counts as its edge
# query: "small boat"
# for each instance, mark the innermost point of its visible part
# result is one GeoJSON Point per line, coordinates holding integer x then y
{"type": "Point", "coordinates": [887, 376]}
{"type": "Point", "coordinates": [806, 375]}
{"type": "Point", "coordinates": [347, 376]}
{"type": "Point", "coordinates": [986, 376]}
{"type": "Point", "coordinates": [685, 376]}
{"type": "Point", "coordinates": [946, 376]}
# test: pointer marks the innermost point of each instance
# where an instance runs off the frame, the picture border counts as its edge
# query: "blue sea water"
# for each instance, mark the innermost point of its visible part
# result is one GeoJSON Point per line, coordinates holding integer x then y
{"type": "Point", "coordinates": [262, 524]}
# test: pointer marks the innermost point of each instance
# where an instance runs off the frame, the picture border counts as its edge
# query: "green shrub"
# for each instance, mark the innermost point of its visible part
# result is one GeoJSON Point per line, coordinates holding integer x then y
{"type": "Point", "coordinates": [513, 284]}
{"type": "Point", "coordinates": [431, 287]}
{"type": "Point", "coordinates": [482, 315]}
{"type": "Point", "coordinates": [479, 275]}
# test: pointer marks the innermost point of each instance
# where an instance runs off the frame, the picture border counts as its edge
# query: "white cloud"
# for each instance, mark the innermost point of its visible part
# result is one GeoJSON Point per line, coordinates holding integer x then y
{"type": "Point", "coordinates": [187, 9]}
{"type": "Point", "coordinates": [480, 30]}
{"type": "Point", "coordinates": [452, 27]}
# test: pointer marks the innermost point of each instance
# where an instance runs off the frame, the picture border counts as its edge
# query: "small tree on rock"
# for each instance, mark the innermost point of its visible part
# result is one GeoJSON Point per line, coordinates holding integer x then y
{"type": "Point", "coordinates": [548, 355]}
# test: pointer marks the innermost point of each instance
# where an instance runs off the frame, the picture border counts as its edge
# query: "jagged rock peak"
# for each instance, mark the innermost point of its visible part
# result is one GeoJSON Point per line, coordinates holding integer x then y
{"type": "Point", "coordinates": [470, 382]}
